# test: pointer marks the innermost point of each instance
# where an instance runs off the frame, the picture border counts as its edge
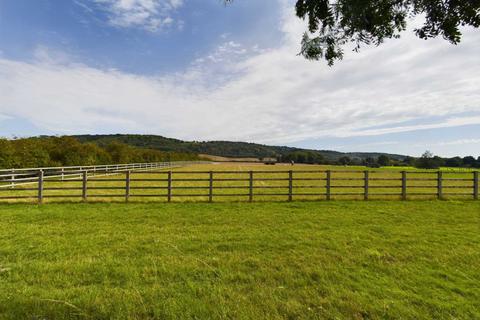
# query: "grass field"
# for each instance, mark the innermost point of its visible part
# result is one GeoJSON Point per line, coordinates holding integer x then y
{"type": "Point", "coordinates": [455, 181]}
{"type": "Point", "coordinates": [300, 260]}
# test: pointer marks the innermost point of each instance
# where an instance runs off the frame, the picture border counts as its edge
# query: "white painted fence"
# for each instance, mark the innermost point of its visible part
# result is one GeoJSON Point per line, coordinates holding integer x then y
{"type": "Point", "coordinates": [9, 178]}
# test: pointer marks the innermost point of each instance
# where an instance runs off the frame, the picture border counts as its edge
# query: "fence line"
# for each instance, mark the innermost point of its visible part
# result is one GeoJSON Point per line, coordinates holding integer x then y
{"type": "Point", "coordinates": [14, 177]}
{"type": "Point", "coordinates": [286, 185]}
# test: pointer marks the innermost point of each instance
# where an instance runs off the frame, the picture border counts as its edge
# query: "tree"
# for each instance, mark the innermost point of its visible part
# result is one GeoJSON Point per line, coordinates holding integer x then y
{"type": "Point", "coordinates": [334, 24]}
{"type": "Point", "coordinates": [383, 160]}
{"type": "Point", "coordinates": [370, 162]}
{"type": "Point", "coordinates": [428, 161]}
{"type": "Point", "coordinates": [344, 160]}
{"type": "Point", "coordinates": [314, 158]}
{"type": "Point", "coordinates": [300, 156]}
{"type": "Point", "coordinates": [469, 161]}
{"type": "Point", "coordinates": [454, 162]}
{"type": "Point", "coordinates": [68, 151]}
{"type": "Point", "coordinates": [7, 154]}
{"type": "Point", "coordinates": [409, 161]}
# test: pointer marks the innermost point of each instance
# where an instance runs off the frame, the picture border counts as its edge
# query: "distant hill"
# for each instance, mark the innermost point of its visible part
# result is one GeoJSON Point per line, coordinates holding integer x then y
{"type": "Point", "coordinates": [221, 148]}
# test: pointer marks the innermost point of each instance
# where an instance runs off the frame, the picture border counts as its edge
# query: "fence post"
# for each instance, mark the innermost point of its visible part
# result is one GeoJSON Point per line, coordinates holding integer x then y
{"type": "Point", "coordinates": [440, 185]}
{"type": "Point", "coordinates": [127, 185]}
{"type": "Point", "coordinates": [366, 173]}
{"type": "Point", "coordinates": [40, 186]}
{"type": "Point", "coordinates": [250, 193]}
{"type": "Point", "coordinates": [63, 174]}
{"type": "Point", "coordinates": [329, 185]}
{"type": "Point", "coordinates": [84, 185]}
{"type": "Point", "coordinates": [475, 185]}
{"type": "Point", "coordinates": [169, 186]}
{"type": "Point", "coordinates": [210, 188]}
{"type": "Point", "coordinates": [404, 185]}
{"type": "Point", "coordinates": [12, 183]}
{"type": "Point", "coordinates": [290, 185]}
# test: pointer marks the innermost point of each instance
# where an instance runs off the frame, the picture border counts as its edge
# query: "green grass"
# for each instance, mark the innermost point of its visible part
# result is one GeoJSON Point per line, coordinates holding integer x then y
{"type": "Point", "coordinates": [303, 190]}
{"type": "Point", "coordinates": [301, 260]}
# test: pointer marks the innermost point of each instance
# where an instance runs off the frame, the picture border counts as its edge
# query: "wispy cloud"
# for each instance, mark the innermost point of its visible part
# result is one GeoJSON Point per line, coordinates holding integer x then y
{"type": "Point", "coordinates": [4, 117]}
{"type": "Point", "coordinates": [45, 55]}
{"type": "Point", "coordinates": [151, 15]}
{"type": "Point", "coordinates": [457, 142]}
{"type": "Point", "coordinates": [365, 145]}
{"type": "Point", "coordinates": [445, 123]}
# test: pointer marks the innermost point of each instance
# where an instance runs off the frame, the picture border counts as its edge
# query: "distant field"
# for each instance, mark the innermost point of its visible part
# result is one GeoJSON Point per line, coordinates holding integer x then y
{"type": "Point", "coordinates": [302, 260]}
{"type": "Point", "coordinates": [385, 183]}
{"type": "Point", "coordinates": [227, 159]}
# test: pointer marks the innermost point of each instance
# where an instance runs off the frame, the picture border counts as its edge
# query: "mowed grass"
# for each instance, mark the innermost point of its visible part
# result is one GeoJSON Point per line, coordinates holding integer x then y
{"type": "Point", "coordinates": [309, 184]}
{"type": "Point", "coordinates": [300, 260]}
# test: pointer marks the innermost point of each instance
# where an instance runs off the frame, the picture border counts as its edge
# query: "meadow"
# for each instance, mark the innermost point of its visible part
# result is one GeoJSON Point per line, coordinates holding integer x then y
{"type": "Point", "coordinates": [237, 260]}
{"type": "Point", "coordinates": [270, 183]}
{"type": "Point", "coordinates": [265, 260]}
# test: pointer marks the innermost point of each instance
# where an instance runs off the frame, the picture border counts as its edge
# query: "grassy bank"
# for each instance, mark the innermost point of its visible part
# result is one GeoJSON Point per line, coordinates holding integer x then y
{"type": "Point", "coordinates": [245, 261]}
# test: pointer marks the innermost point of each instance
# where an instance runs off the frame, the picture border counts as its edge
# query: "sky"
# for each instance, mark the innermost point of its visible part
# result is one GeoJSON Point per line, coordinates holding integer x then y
{"type": "Point", "coordinates": [201, 70]}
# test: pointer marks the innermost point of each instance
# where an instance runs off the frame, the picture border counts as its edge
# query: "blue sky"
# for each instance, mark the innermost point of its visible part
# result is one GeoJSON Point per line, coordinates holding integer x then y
{"type": "Point", "coordinates": [83, 29]}
{"type": "Point", "coordinates": [200, 70]}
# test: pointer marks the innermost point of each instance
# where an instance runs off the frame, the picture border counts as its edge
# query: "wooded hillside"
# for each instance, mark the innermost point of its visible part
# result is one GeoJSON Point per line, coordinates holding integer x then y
{"type": "Point", "coordinates": [226, 148]}
{"type": "Point", "coordinates": [122, 148]}
{"type": "Point", "coordinates": [69, 151]}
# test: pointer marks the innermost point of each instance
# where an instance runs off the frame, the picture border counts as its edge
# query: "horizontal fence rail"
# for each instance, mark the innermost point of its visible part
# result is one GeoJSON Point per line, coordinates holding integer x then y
{"type": "Point", "coordinates": [153, 183]}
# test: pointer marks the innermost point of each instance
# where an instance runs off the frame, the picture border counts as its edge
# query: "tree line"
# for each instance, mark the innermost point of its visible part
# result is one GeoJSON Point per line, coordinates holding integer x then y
{"type": "Point", "coordinates": [429, 161]}
{"type": "Point", "coordinates": [426, 161]}
{"type": "Point", "coordinates": [68, 151]}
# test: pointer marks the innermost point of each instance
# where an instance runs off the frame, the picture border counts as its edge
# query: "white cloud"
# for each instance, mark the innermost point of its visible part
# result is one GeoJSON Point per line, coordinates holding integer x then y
{"type": "Point", "coordinates": [445, 123]}
{"type": "Point", "coordinates": [270, 96]}
{"type": "Point", "coordinates": [366, 145]}
{"type": "Point", "coordinates": [46, 55]}
{"type": "Point", "coordinates": [151, 15]}
{"type": "Point", "coordinates": [458, 142]}
{"type": "Point", "coordinates": [4, 117]}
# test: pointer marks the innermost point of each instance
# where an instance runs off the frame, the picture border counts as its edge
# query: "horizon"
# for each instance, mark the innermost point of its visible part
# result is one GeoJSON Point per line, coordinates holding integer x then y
{"type": "Point", "coordinates": [233, 141]}
{"type": "Point", "coordinates": [201, 71]}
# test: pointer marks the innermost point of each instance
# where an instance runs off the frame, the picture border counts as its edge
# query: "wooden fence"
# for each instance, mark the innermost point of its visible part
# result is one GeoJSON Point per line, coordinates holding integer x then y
{"type": "Point", "coordinates": [251, 185]}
